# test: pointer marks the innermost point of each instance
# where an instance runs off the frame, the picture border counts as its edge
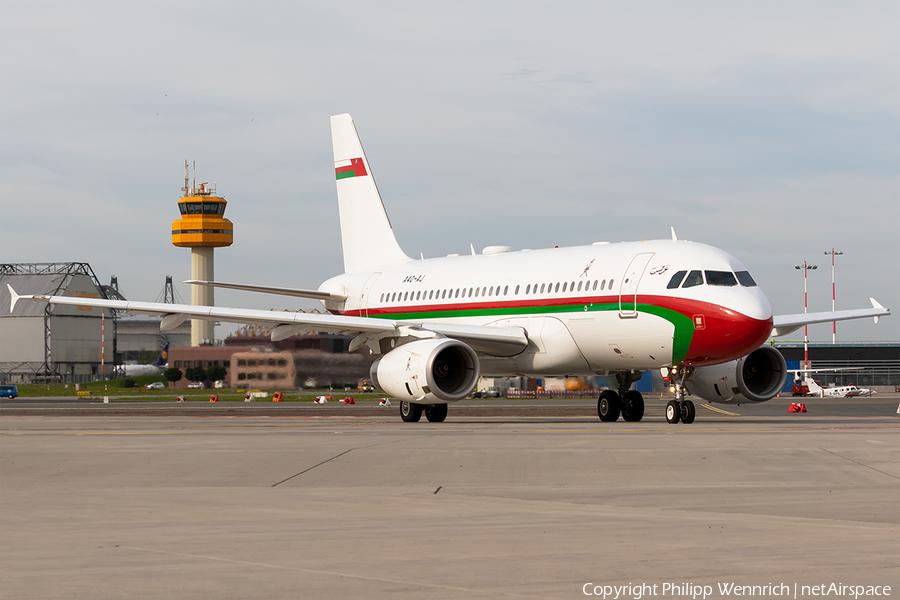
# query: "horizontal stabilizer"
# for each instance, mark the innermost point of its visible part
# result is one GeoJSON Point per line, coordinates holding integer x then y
{"type": "Point", "coordinates": [265, 289]}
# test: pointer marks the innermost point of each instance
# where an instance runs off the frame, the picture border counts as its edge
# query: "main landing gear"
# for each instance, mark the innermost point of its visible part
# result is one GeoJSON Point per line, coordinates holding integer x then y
{"type": "Point", "coordinates": [680, 409]}
{"type": "Point", "coordinates": [411, 412]}
{"type": "Point", "coordinates": [628, 403]}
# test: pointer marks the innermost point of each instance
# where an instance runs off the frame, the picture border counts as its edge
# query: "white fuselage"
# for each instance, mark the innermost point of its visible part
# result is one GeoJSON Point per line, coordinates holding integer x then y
{"type": "Point", "coordinates": [586, 309]}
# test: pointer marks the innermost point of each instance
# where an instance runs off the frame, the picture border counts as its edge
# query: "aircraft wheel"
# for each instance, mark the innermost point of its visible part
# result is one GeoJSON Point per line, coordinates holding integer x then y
{"type": "Point", "coordinates": [608, 406]}
{"type": "Point", "coordinates": [410, 412]}
{"type": "Point", "coordinates": [688, 412]}
{"type": "Point", "coordinates": [633, 406]}
{"type": "Point", "coordinates": [436, 413]}
{"type": "Point", "coordinates": [673, 411]}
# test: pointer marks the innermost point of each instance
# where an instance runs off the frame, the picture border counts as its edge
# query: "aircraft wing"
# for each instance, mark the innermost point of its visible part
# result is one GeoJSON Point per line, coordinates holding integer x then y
{"type": "Point", "coordinates": [266, 289]}
{"type": "Point", "coordinates": [491, 340]}
{"type": "Point", "coordinates": [785, 324]}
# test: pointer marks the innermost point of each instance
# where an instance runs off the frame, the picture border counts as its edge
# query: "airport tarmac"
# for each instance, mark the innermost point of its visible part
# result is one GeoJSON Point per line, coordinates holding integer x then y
{"type": "Point", "coordinates": [214, 505]}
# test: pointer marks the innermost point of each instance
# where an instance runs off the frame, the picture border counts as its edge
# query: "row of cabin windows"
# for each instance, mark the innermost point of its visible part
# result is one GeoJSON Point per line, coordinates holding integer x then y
{"type": "Point", "coordinates": [202, 208]}
{"type": "Point", "coordinates": [695, 278]}
{"type": "Point", "coordinates": [492, 291]}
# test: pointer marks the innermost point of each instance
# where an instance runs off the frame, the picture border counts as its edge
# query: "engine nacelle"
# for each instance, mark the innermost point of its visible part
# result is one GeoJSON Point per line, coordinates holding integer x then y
{"type": "Point", "coordinates": [757, 377]}
{"type": "Point", "coordinates": [428, 371]}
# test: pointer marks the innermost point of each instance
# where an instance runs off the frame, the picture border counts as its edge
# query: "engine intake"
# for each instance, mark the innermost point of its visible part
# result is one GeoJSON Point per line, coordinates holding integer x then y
{"type": "Point", "coordinates": [429, 371]}
{"type": "Point", "coordinates": [757, 377]}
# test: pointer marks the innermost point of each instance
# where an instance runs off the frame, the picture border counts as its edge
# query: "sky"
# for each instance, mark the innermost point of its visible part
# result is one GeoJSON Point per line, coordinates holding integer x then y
{"type": "Point", "coordinates": [766, 128]}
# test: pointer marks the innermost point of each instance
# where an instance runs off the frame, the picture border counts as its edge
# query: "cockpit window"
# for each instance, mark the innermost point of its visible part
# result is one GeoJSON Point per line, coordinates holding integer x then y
{"type": "Point", "coordinates": [693, 278]}
{"type": "Point", "coordinates": [720, 278]}
{"type": "Point", "coordinates": [745, 279]}
{"type": "Point", "coordinates": [676, 280]}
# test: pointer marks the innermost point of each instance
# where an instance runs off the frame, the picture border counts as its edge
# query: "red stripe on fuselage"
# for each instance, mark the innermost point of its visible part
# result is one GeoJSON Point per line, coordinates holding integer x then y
{"type": "Point", "coordinates": [723, 334]}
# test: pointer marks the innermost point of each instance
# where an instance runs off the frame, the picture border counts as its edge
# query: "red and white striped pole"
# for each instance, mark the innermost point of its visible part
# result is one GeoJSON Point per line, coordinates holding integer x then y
{"type": "Point", "coordinates": [102, 343]}
{"type": "Point", "coordinates": [833, 253]}
{"type": "Point", "coordinates": [806, 267]}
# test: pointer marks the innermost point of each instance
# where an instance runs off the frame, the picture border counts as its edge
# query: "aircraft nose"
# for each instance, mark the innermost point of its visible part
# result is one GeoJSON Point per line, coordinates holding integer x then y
{"type": "Point", "coordinates": [752, 303]}
{"type": "Point", "coordinates": [731, 331]}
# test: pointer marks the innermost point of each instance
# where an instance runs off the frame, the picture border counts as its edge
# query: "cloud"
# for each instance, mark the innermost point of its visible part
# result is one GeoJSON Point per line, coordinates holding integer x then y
{"type": "Point", "coordinates": [768, 129]}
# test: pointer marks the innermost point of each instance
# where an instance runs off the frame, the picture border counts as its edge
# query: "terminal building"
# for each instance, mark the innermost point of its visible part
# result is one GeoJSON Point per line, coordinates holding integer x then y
{"type": "Point", "coordinates": [253, 360]}
{"type": "Point", "coordinates": [871, 365]}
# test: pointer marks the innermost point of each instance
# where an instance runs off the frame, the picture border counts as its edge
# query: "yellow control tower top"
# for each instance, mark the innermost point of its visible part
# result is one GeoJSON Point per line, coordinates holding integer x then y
{"type": "Point", "coordinates": [201, 223]}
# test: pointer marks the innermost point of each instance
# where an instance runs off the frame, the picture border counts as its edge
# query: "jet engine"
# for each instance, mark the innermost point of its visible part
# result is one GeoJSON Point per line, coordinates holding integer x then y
{"type": "Point", "coordinates": [428, 371]}
{"type": "Point", "coordinates": [757, 377]}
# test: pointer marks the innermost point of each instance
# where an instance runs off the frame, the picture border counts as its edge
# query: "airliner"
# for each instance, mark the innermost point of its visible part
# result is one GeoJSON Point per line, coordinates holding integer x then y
{"type": "Point", "coordinates": [617, 309]}
{"type": "Point", "coordinates": [154, 368]}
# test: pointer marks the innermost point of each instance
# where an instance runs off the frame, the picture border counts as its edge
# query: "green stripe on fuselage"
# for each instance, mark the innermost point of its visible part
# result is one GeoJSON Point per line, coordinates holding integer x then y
{"type": "Point", "coordinates": [684, 327]}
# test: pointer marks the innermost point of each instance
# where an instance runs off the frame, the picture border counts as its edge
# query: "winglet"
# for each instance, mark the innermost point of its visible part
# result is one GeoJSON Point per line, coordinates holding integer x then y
{"type": "Point", "coordinates": [674, 237]}
{"type": "Point", "coordinates": [874, 302]}
{"type": "Point", "coordinates": [14, 297]}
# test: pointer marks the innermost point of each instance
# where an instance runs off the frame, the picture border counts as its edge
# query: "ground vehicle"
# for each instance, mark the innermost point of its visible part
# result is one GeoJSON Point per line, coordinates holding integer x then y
{"type": "Point", "coordinates": [8, 391]}
{"type": "Point", "coordinates": [365, 386]}
{"type": "Point", "coordinates": [196, 385]}
{"type": "Point", "coordinates": [156, 385]}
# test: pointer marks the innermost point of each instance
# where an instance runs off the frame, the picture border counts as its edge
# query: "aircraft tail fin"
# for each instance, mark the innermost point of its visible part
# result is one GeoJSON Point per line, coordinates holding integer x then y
{"type": "Point", "coordinates": [366, 234]}
{"type": "Point", "coordinates": [163, 358]}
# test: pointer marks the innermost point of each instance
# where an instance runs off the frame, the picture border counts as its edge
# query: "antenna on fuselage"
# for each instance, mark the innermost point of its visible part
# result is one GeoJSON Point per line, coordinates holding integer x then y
{"type": "Point", "coordinates": [674, 237]}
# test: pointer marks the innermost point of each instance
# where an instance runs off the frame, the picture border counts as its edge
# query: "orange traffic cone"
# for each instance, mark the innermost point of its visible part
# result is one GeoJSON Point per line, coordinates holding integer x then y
{"type": "Point", "coordinates": [802, 408]}
{"type": "Point", "coordinates": [214, 398]}
{"type": "Point", "coordinates": [277, 397]}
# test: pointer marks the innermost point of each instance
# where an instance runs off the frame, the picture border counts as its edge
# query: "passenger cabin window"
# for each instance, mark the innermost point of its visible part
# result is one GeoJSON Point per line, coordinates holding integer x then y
{"type": "Point", "coordinates": [694, 278]}
{"type": "Point", "coordinates": [745, 279]}
{"type": "Point", "coordinates": [676, 280]}
{"type": "Point", "coordinates": [720, 278]}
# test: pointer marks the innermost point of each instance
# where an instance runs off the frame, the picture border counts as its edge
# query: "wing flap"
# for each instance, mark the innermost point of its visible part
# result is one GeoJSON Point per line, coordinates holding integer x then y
{"type": "Point", "coordinates": [485, 339]}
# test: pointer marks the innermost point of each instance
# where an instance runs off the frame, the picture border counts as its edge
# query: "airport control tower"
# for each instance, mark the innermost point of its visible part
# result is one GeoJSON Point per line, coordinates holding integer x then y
{"type": "Point", "coordinates": [201, 228]}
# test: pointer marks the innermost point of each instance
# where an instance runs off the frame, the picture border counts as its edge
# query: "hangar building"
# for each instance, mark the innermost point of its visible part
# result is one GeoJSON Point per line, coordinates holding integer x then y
{"type": "Point", "coordinates": [40, 342]}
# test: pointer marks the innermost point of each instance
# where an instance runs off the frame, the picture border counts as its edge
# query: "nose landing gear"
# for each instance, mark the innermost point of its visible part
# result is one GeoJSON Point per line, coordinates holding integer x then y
{"type": "Point", "coordinates": [680, 409]}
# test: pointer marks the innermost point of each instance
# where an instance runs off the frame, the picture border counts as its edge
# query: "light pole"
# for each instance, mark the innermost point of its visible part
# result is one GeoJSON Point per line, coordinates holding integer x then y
{"type": "Point", "coordinates": [833, 253]}
{"type": "Point", "coordinates": [806, 268]}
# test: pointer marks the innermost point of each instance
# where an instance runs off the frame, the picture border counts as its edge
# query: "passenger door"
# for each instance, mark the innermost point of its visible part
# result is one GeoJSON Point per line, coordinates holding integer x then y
{"type": "Point", "coordinates": [628, 288]}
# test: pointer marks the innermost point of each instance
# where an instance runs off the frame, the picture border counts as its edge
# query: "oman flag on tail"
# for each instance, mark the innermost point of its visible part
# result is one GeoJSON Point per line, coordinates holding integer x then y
{"type": "Point", "coordinates": [353, 167]}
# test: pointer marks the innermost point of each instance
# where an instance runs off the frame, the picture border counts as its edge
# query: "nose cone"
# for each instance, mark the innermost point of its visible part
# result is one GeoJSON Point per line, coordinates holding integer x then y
{"type": "Point", "coordinates": [730, 331]}
{"type": "Point", "coordinates": [750, 302]}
